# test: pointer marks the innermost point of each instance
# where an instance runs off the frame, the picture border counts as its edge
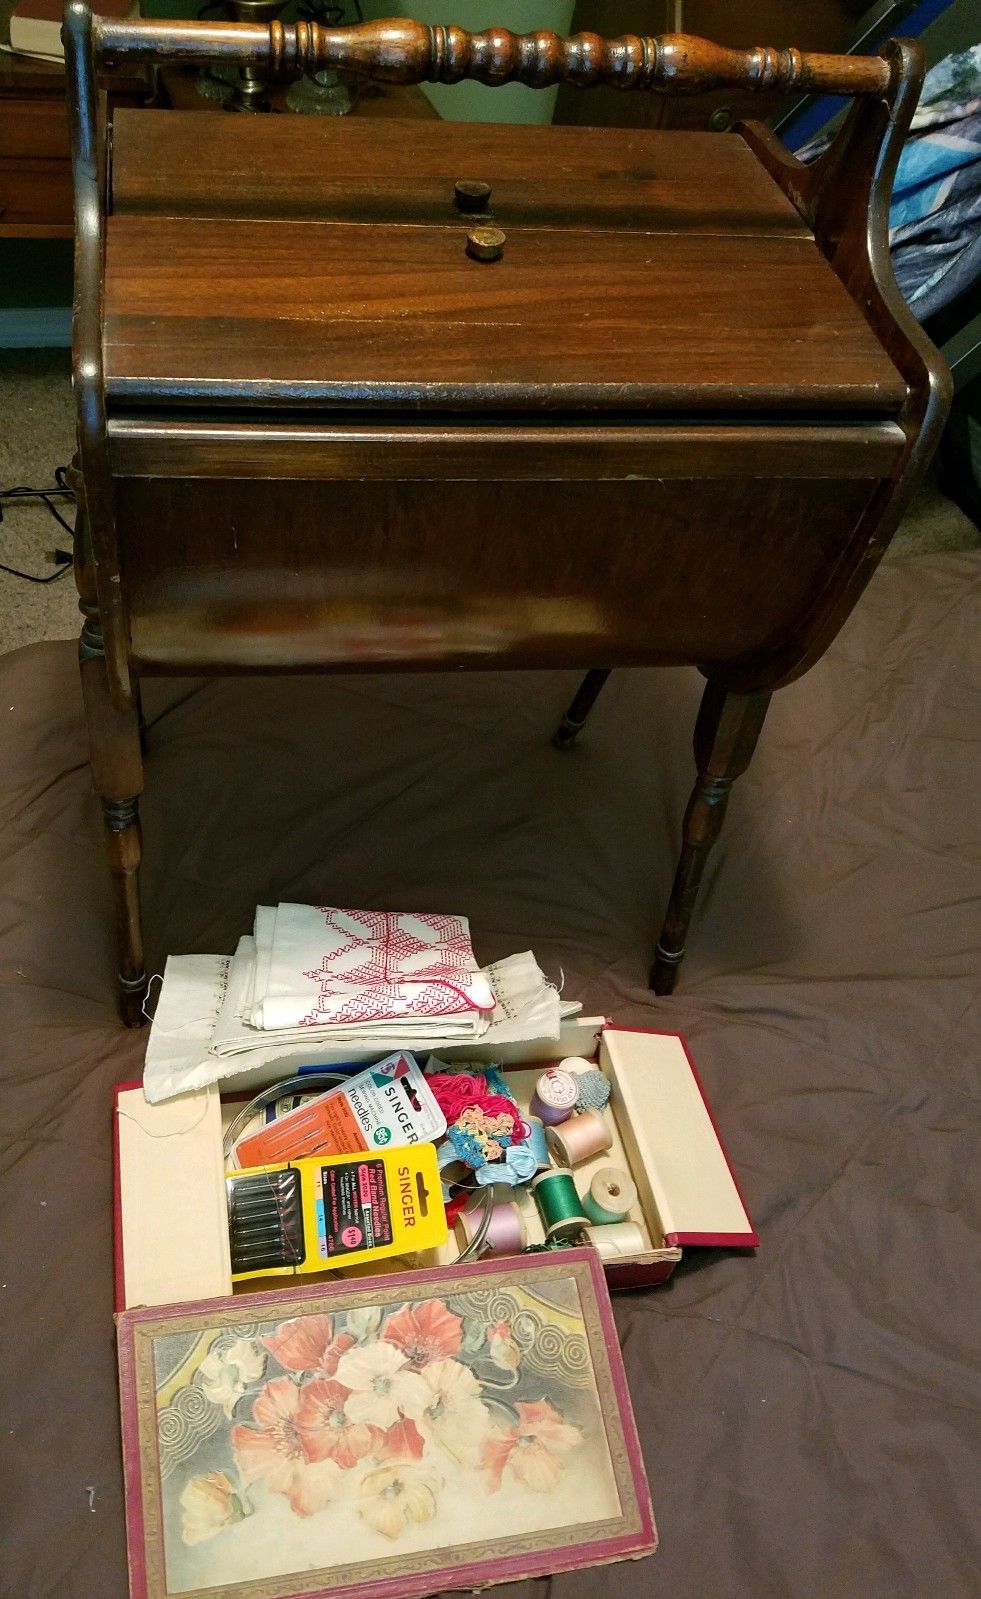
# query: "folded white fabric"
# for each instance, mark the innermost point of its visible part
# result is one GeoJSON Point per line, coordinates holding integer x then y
{"type": "Point", "coordinates": [198, 1037]}
{"type": "Point", "coordinates": [234, 1033]}
{"type": "Point", "coordinates": [320, 966]}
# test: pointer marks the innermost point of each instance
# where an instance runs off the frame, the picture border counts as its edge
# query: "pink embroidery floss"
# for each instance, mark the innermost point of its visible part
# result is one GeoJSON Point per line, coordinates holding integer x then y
{"type": "Point", "coordinates": [482, 1116]}
{"type": "Point", "coordinates": [454, 1091]}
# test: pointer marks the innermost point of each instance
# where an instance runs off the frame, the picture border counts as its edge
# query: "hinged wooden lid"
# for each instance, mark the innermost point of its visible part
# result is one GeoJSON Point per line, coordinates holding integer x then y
{"type": "Point", "coordinates": [293, 262]}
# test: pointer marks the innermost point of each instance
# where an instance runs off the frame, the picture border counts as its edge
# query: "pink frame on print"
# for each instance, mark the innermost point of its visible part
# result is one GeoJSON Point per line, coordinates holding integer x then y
{"type": "Point", "coordinates": [626, 1534]}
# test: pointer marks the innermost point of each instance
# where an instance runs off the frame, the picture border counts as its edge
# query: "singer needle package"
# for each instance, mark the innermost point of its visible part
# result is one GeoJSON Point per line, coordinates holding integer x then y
{"type": "Point", "coordinates": [389, 1105]}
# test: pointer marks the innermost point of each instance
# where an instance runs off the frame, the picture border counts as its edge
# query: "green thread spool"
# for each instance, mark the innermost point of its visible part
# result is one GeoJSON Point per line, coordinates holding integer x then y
{"type": "Point", "coordinates": [558, 1204]}
{"type": "Point", "coordinates": [609, 1198]}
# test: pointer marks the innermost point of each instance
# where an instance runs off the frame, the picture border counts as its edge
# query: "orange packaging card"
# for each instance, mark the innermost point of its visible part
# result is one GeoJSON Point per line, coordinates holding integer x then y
{"type": "Point", "coordinates": [390, 1104]}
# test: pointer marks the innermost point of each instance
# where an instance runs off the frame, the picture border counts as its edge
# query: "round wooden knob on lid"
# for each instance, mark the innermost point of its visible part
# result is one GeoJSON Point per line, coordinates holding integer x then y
{"type": "Point", "coordinates": [470, 194]}
{"type": "Point", "coordinates": [486, 244]}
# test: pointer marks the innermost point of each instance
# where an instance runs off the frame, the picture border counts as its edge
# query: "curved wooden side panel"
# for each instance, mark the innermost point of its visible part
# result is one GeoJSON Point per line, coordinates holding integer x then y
{"type": "Point", "coordinates": [402, 51]}
{"type": "Point", "coordinates": [97, 562]}
{"type": "Point", "coordinates": [844, 197]}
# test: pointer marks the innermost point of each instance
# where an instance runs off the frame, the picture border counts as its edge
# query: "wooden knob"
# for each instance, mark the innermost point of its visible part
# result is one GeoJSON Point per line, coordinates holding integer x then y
{"type": "Point", "coordinates": [471, 195]}
{"type": "Point", "coordinates": [486, 244]}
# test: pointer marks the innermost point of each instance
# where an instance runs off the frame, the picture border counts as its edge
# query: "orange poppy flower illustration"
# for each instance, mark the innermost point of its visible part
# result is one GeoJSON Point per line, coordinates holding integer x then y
{"type": "Point", "coordinates": [529, 1451]}
{"type": "Point", "coordinates": [426, 1331]}
{"type": "Point", "coordinates": [326, 1432]}
{"type": "Point", "coordinates": [308, 1344]}
{"type": "Point", "coordinates": [274, 1452]}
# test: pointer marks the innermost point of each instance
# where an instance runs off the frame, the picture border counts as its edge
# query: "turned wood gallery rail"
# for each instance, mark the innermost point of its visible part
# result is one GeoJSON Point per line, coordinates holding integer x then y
{"type": "Point", "coordinates": [670, 415]}
{"type": "Point", "coordinates": [398, 51]}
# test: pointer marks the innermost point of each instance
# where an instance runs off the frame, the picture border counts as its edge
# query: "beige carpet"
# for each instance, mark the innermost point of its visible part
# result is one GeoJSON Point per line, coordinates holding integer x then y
{"type": "Point", "coordinates": [36, 407]}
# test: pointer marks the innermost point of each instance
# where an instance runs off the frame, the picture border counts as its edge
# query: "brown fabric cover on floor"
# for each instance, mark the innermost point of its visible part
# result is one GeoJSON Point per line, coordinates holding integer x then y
{"type": "Point", "coordinates": [808, 1414]}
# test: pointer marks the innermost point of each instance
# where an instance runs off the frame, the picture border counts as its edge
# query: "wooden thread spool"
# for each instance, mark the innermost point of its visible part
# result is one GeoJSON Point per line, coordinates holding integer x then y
{"type": "Point", "coordinates": [506, 1234]}
{"type": "Point", "coordinates": [620, 1242]}
{"type": "Point", "coordinates": [537, 1142]}
{"type": "Point", "coordinates": [554, 1099]}
{"type": "Point", "coordinates": [558, 1204]}
{"type": "Point", "coordinates": [579, 1138]}
{"type": "Point", "coordinates": [610, 1197]}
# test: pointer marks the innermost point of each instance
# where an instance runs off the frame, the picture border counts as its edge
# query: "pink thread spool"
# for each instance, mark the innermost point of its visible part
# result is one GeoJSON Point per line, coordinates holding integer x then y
{"type": "Point", "coordinates": [580, 1138]}
{"type": "Point", "coordinates": [506, 1234]}
{"type": "Point", "coordinates": [554, 1099]}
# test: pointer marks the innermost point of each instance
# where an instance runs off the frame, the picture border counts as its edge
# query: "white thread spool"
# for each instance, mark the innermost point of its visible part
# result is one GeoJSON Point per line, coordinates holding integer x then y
{"type": "Point", "coordinates": [623, 1241]}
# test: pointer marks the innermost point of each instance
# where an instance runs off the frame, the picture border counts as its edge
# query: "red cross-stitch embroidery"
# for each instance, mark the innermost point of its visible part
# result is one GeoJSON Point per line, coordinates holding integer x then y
{"type": "Point", "coordinates": [393, 978]}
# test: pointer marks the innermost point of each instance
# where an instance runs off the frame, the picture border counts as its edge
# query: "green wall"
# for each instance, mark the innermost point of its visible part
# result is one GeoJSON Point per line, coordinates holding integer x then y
{"type": "Point", "coordinates": [474, 102]}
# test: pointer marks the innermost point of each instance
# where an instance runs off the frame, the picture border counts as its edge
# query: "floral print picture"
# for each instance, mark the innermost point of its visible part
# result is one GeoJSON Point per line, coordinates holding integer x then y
{"type": "Point", "coordinates": [341, 1443]}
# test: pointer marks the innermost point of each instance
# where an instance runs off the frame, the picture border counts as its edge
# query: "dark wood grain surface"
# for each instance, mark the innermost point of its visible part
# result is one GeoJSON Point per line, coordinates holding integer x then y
{"type": "Point", "coordinates": [328, 312]}
{"type": "Point", "coordinates": [236, 575]}
{"type": "Point", "coordinates": [324, 168]}
{"type": "Point", "coordinates": [674, 423]}
{"type": "Point", "coordinates": [35, 180]}
{"type": "Point", "coordinates": [258, 447]}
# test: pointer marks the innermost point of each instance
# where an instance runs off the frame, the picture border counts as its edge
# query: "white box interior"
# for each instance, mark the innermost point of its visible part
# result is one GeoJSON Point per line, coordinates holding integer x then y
{"type": "Point", "coordinates": [174, 1235]}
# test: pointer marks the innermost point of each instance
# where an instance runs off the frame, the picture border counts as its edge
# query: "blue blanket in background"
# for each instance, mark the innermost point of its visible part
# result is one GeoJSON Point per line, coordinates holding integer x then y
{"type": "Point", "coordinates": [935, 216]}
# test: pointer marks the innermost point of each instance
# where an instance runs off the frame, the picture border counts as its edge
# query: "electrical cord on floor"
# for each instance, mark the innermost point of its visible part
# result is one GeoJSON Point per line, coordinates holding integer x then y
{"type": "Point", "coordinates": [63, 558]}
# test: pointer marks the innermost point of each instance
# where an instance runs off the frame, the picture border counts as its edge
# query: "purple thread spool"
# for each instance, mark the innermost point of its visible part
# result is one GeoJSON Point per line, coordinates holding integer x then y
{"type": "Point", "coordinates": [506, 1233]}
{"type": "Point", "coordinates": [554, 1099]}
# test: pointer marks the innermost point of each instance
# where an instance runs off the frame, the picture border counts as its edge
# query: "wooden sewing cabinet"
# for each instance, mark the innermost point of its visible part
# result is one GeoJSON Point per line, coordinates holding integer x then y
{"type": "Point", "coordinates": [675, 421]}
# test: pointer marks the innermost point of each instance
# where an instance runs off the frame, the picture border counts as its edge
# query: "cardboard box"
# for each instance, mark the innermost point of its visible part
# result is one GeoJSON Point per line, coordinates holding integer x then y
{"type": "Point", "coordinates": [171, 1230]}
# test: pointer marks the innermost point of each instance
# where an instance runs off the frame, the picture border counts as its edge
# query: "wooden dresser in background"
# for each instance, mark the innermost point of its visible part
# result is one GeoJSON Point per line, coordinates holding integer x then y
{"type": "Point", "coordinates": [35, 162]}
{"type": "Point", "coordinates": [35, 167]}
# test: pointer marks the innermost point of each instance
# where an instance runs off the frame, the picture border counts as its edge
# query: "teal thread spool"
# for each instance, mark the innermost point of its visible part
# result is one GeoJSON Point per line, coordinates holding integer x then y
{"type": "Point", "coordinates": [558, 1204]}
{"type": "Point", "coordinates": [609, 1198]}
{"type": "Point", "coordinates": [536, 1142]}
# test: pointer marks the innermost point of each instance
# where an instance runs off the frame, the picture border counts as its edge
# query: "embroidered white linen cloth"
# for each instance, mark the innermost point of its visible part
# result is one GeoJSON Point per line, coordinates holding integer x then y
{"type": "Point", "coordinates": [323, 966]}
{"type": "Point", "coordinates": [197, 1037]}
{"type": "Point", "coordinates": [234, 1033]}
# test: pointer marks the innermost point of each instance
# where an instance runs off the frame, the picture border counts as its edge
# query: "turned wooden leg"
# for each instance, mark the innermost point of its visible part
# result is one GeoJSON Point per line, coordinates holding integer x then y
{"type": "Point", "coordinates": [726, 731]}
{"type": "Point", "coordinates": [140, 718]}
{"type": "Point", "coordinates": [574, 719]}
{"type": "Point", "coordinates": [117, 772]}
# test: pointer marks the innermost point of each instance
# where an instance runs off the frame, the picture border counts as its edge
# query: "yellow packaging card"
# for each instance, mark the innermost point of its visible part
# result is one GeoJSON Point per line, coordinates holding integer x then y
{"type": "Point", "coordinates": [352, 1208]}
